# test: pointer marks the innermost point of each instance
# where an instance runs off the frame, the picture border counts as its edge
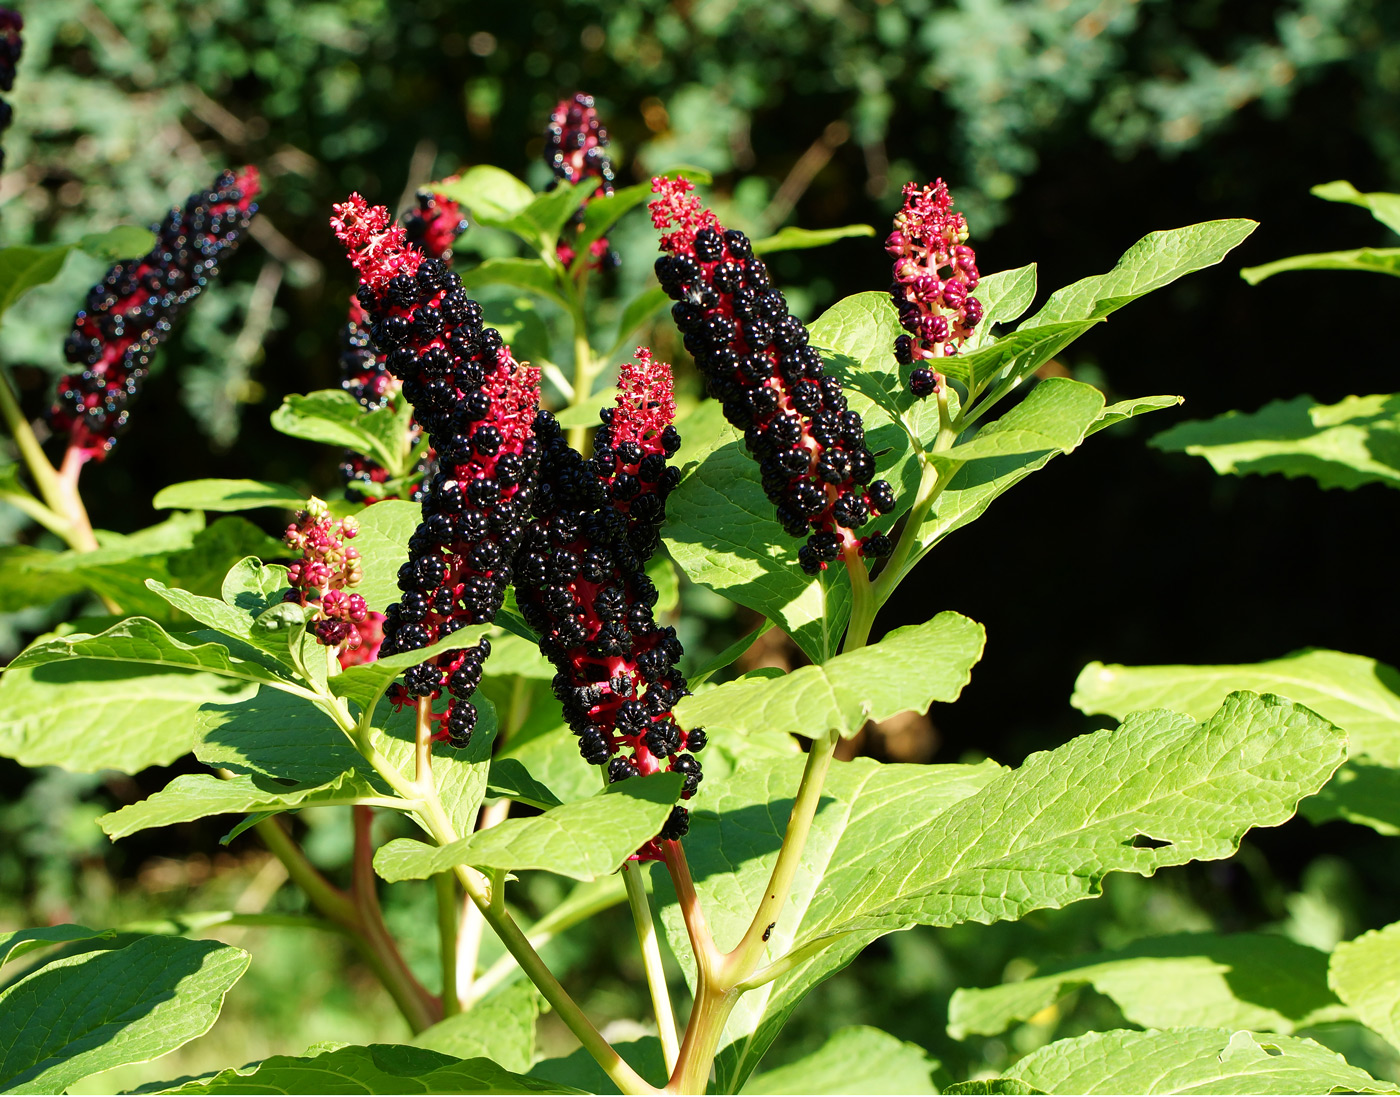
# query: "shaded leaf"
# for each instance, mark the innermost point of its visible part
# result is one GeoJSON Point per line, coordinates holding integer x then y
{"type": "Point", "coordinates": [581, 1070]}
{"type": "Point", "coordinates": [225, 495]}
{"type": "Point", "coordinates": [1384, 207]}
{"type": "Point", "coordinates": [527, 274]}
{"type": "Point", "coordinates": [17, 942]}
{"type": "Point", "coordinates": [1365, 973]}
{"type": "Point", "coordinates": [274, 734]}
{"type": "Point", "coordinates": [641, 310]}
{"type": "Point", "coordinates": [510, 778]}
{"type": "Point", "coordinates": [501, 1028]}
{"type": "Point", "coordinates": [858, 1059]}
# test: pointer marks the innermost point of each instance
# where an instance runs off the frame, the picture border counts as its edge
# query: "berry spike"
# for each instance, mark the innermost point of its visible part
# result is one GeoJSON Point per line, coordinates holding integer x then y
{"type": "Point", "coordinates": [753, 353]}
{"type": "Point", "coordinates": [935, 273]}
{"type": "Point", "coordinates": [581, 584]}
{"type": "Point", "coordinates": [575, 148]}
{"type": "Point", "coordinates": [320, 578]}
{"type": "Point", "coordinates": [11, 46]}
{"type": "Point", "coordinates": [433, 226]}
{"type": "Point", "coordinates": [477, 406]}
{"type": "Point", "coordinates": [131, 311]}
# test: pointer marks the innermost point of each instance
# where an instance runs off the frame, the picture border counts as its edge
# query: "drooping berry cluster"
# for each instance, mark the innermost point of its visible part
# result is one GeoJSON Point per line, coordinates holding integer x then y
{"type": "Point", "coordinates": [575, 148]}
{"type": "Point", "coordinates": [339, 619]}
{"type": "Point", "coordinates": [810, 446]}
{"type": "Point", "coordinates": [935, 273]}
{"type": "Point", "coordinates": [581, 584]}
{"type": "Point", "coordinates": [132, 310]}
{"type": "Point", "coordinates": [433, 226]}
{"type": "Point", "coordinates": [11, 46]}
{"type": "Point", "coordinates": [477, 405]}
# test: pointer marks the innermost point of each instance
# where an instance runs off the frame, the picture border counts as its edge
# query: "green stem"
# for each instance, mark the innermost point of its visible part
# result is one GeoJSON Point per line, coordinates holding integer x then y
{"type": "Point", "coordinates": [447, 941]}
{"type": "Point", "coordinates": [632, 876]}
{"type": "Point", "coordinates": [584, 368]}
{"type": "Point", "coordinates": [44, 474]}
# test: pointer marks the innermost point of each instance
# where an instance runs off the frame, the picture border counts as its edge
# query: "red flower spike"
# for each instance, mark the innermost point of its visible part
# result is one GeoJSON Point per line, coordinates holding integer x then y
{"type": "Point", "coordinates": [434, 223]}
{"type": "Point", "coordinates": [935, 273]}
{"type": "Point", "coordinates": [320, 579]}
{"type": "Point", "coordinates": [575, 148]}
{"type": "Point", "coordinates": [581, 584]}
{"type": "Point", "coordinates": [815, 465]}
{"type": "Point", "coordinates": [476, 405]}
{"type": "Point", "coordinates": [130, 312]}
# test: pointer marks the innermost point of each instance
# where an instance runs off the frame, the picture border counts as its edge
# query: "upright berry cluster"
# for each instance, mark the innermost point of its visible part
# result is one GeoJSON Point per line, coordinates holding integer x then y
{"type": "Point", "coordinates": [11, 46]}
{"type": "Point", "coordinates": [810, 446]}
{"type": "Point", "coordinates": [132, 310]}
{"type": "Point", "coordinates": [575, 148]}
{"type": "Point", "coordinates": [320, 578]}
{"type": "Point", "coordinates": [433, 226]}
{"type": "Point", "coordinates": [935, 273]}
{"type": "Point", "coordinates": [477, 405]}
{"type": "Point", "coordinates": [581, 584]}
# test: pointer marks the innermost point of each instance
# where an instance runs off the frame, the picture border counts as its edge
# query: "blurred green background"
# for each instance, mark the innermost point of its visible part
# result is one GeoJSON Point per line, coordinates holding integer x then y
{"type": "Point", "coordinates": [1066, 130]}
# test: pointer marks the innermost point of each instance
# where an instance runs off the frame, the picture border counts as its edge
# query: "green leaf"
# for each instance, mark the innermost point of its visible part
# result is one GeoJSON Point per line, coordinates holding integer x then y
{"type": "Point", "coordinates": [1359, 695]}
{"type": "Point", "coordinates": [118, 242]}
{"type": "Point", "coordinates": [252, 586]}
{"type": "Point", "coordinates": [861, 331]}
{"type": "Point", "coordinates": [1243, 980]}
{"type": "Point", "coordinates": [141, 640]}
{"type": "Point", "coordinates": [511, 654]}
{"type": "Point", "coordinates": [638, 311]}
{"type": "Point", "coordinates": [729, 654]}
{"type": "Point", "coordinates": [366, 683]}
{"type": "Point", "coordinates": [225, 495]}
{"type": "Point", "coordinates": [509, 777]}
{"type": "Point", "coordinates": [214, 612]}
{"type": "Point", "coordinates": [501, 1028]}
{"type": "Point", "coordinates": [1361, 793]}
{"type": "Point", "coordinates": [89, 1013]}
{"type": "Point", "coordinates": [1130, 409]}
{"type": "Point", "coordinates": [581, 1070]}
{"type": "Point", "coordinates": [1384, 207]}
{"type": "Point", "coordinates": [793, 238]}
{"type": "Point", "coordinates": [603, 212]}
{"type": "Point", "coordinates": [1018, 354]}
{"type": "Point", "coordinates": [88, 715]}
{"type": "Point", "coordinates": [858, 1059]}
{"type": "Point", "coordinates": [867, 811]}
{"type": "Point", "coordinates": [1365, 973]}
{"type": "Point", "coordinates": [378, 1068]}
{"type": "Point", "coordinates": [583, 840]}
{"type": "Point", "coordinates": [540, 222]}
{"type": "Point", "coordinates": [274, 734]}
{"type": "Point", "coordinates": [17, 942]}
{"type": "Point", "coordinates": [336, 418]}
{"type": "Point", "coordinates": [548, 751]}
{"type": "Point", "coordinates": [1366, 260]}
{"type": "Point", "coordinates": [721, 531]}
{"type": "Point", "coordinates": [527, 274]}
{"type": "Point", "coordinates": [1056, 419]}
{"type": "Point", "coordinates": [993, 1086]}
{"type": "Point", "coordinates": [383, 546]}
{"type": "Point", "coordinates": [198, 795]}
{"type": "Point", "coordinates": [663, 575]}
{"type": "Point", "coordinates": [1005, 295]}
{"type": "Point", "coordinates": [487, 192]}
{"type": "Point", "coordinates": [1340, 445]}
{"type": "Point", "coordinates": [909, 669]}
{"type": "Point", "coordinates": [1191, 1060]}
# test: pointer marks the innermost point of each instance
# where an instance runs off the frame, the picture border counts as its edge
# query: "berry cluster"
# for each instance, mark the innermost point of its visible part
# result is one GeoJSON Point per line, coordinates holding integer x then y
{"type": "Point", "coordinates": [433, 226]}
{"type": "Point", "coordinates": [581, 585]}
{"type": "Point", "coordinates": [575, 148]}
{"type": "Point", "coordinates": [935, 273]}
{"type": "Point", "coordinates": [132, 310]}
{"type": "Point", "coordinates": [11, 46]}
{"type": "Point", "coordinates": [478, 407]}
{"type": "Point", "coordinates": [810, 446]}
{"type": "Point", "coordinates": [319, 580]}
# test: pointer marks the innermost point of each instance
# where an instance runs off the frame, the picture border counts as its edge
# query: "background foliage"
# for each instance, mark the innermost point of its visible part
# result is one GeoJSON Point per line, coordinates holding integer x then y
{"type": "Point", "coordinates": [1066, 130]}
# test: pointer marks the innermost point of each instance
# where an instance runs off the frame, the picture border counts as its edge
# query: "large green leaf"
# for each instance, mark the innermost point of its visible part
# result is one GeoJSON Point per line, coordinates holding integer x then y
{"type": "Point", "coordinates": [487, 192]}
{"type": "Point", "coordinates": [87, 715]}
{"type": "Point", "coordinates": [24, 266]}
{"type": "Point", "coordinates": [1365, 973]}
{"type": "Point", "coordinates": [383, 547]}
{"type": "Point", "coordinates": [1340, 445]}
{"type": "Point", "coordinates": [858, 1059]}
{"type": "Point", "coordinates": [584, 840]}
{"type": "Point", "coordinates": [378, 1068]}
{"type": "Point", "coordinates": [721, 531]}
{"type": "Point", "coordinates": [16, 943]}
{"type": "Point", "coordinates": [335, 417]}
{"type": "Point", "coordinates": [89, 1013]}
{"type": "Point", "coordinates": [198, 795]}
{"type": "Point", "coordinates": [1365, 260]}
{"type": "Point", "coordinates": [1383, 206]}
{"type": "Point", "coordinates": [228, 495]}
{"type": "Point", "coordinates": [274, 734]}
{"type": "Point", "coordinates": [527, 274]}
{"type": "Point", "coordinates": [1055, 415]}
{"type": "Point", "coordinates": [867, 812]}
{"type": "Point", "coordinates": [793, 238]}
{"type": "Point", "coordinates": [909, 669]}
{"type": "Point", "coordinates": [1242, 980]}
{"type": "Point", "coordinates": [1191, 1060]}
{"type": "Point", "coordinates": [501, 1028]}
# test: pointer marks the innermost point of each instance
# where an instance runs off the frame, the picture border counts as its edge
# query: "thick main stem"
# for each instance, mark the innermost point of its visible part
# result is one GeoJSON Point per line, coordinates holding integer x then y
{"type": "Point", "coordinates": [583, 367]}
{"type": "Point", "coordinates": [651, 961]}
{"type": "Point", "coordinates": [447, 941]}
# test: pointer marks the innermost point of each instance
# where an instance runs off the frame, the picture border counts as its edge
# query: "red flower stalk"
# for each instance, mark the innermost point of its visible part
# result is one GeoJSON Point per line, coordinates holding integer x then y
{"type": "Point", "coordinates": [810, 446]}
{"type": "Point", "coordinates": [575, 145]}
{"type": "Point", "coordinates": [477, 405]}
{"type": "Point", "coordinates": [433, 226]}
{"type": "Point", "coordinates": [319, 580]}
{"type": "Point", "coordinates": [581, 584]}
{"type": "Point", "coordinates": [935, 273]}
{"type": "Point", "coordinates": [11, 46]}
{"type": "Point", "coordinates": [132, 310]}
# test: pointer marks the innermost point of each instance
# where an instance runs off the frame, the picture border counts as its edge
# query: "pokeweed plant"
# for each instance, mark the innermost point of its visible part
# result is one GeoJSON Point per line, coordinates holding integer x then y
{"type": "Point", "coordinates": [1241, 999]}
{"type": "Point", "coordinates": [520, 584]}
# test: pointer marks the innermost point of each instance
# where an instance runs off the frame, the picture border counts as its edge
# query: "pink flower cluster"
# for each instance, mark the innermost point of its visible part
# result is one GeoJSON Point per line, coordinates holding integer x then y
{"type": "Point", "coordinates": [319, 580]}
